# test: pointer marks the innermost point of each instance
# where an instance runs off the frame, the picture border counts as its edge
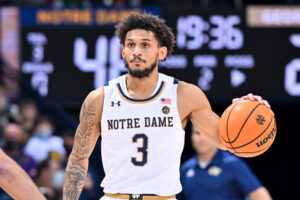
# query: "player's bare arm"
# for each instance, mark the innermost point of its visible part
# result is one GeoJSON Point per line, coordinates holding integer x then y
{"type": "Point", "coordinates": [193, 104]}
{"type": "Point", "coordinates": [15, 181]}
{"type": "Point", "coordinates": [85, 140]}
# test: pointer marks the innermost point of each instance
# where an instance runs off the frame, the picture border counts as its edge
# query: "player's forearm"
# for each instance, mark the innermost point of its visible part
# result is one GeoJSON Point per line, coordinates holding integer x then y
{"type": "Point", "coordinates": [86, 136]}
{"type": "Point", "coordinates": [16, 182]}
{"type": "Point", "coordinates": [74, 177]}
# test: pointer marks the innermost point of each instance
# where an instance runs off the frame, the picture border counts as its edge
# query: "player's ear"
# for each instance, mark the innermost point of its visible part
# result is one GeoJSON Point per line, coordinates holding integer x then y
{"type": "Point", "coordinates": [162, 53]}
{"type": "Point", "coordinates": [122, 52]}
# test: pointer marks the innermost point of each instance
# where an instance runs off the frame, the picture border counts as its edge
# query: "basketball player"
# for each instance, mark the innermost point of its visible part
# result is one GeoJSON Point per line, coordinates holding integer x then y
{"type": "Point", "coordinates": [216, 174]}
{"type": "Point", "coordinates": [15, 182]}
{"type": "Point", "coordinates": [141, 116]}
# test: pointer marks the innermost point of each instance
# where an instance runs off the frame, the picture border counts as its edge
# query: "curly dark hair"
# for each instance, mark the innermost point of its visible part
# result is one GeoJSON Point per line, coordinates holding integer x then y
{"type": "Point", "coordinates": [149, 22]}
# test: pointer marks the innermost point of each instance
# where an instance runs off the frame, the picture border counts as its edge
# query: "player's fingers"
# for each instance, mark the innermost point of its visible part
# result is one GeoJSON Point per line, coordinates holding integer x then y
{"type": "Point", "coordinates": [259, 99]}
{"type": "Point", "coordinates": [266, 103]}
{"type": "Point", "coordinates": [250, 96]}
{"type": "Point", "coordinates": [236, 100]}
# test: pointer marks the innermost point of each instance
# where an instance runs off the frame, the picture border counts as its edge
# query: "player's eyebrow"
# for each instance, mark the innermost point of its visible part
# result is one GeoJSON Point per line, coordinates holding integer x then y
{"type": "Point", "coordinates": [143, 39]}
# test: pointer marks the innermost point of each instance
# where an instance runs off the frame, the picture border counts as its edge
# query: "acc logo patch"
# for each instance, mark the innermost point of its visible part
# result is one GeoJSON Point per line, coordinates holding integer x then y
{"type": "Point", "coordinates": [165, 110]}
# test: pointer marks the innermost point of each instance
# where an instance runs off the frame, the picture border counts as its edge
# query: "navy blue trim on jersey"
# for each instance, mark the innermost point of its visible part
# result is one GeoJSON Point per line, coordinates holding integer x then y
{"type": "Point", "coordinates": [152, 98]}
{"type": "Point", "coordinates": [175, 81]}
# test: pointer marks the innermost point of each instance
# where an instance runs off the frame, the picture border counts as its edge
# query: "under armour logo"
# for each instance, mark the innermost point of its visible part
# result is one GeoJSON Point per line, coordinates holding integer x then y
{"type": "Point", "coordinates": [135, 197]}
{"type": "Point", "coordinates": [260, 119]}
{"type": "Point", "coordinates": [115, 103]}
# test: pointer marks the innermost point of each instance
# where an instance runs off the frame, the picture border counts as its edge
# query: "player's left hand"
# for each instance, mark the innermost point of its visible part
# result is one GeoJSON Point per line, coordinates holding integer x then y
{"type": "Point", "coordinates": [253, 97]}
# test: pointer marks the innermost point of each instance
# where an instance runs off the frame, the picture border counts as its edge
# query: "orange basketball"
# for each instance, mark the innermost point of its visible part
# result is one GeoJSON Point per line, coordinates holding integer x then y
{"type": "Point", "coordinates": [247, 128]}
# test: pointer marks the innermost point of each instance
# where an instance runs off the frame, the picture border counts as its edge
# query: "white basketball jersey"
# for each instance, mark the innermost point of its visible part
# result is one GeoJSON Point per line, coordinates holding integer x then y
{"type": "Point", "coordinates": [142, 140]}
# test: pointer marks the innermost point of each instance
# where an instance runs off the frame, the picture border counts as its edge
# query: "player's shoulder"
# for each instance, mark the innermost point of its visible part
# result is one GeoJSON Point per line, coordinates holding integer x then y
{"type": "Point", "coordinates": [188, 164]}
{"type": "Point", "coordinates": [189, 89]}
{"type": "Point", "coordinates": [190, 96]}
{"type": "Point", "coordinates": [96, 95]}
{"type": "Point", "coordinates": [187, 86]}
{"type": "Point", "coordinates": [94, 100]}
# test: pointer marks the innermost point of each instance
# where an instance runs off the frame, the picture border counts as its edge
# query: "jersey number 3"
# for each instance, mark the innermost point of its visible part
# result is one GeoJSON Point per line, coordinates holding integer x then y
{"type": "Point", "coordinates": [143, 149]}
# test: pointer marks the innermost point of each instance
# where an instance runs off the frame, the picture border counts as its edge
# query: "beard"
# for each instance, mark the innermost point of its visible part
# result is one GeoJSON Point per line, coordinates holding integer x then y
{"type": "Point", "coordinates": [141, 73]}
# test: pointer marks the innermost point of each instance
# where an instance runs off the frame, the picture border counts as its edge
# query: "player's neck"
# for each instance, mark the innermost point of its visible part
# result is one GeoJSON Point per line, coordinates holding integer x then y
{"type": "Point", "coordinates": [141, 88]}
{"type": "Point", "coordinates": [207, 156]}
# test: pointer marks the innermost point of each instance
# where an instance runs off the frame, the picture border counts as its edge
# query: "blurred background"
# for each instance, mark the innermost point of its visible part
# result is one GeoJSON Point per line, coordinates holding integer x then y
{"type": "Point", "coordinates": [54, 52]}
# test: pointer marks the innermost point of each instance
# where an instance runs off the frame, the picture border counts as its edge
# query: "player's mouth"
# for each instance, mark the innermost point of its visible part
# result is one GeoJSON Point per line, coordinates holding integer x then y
{"type": "Point", "coordinates": [137, 60]}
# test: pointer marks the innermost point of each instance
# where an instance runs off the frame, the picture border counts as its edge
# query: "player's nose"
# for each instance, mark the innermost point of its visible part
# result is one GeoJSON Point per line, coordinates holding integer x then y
{"type": "Point", "coordinates": [137, 51]}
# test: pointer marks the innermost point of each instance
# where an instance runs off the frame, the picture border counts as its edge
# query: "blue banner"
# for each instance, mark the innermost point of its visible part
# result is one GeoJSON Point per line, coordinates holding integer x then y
{"type": "Point", "coordinates": [47, 17]}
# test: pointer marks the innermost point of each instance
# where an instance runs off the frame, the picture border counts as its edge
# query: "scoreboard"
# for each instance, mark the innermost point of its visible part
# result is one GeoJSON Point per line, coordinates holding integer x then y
{"type": "Point", "coordinates": [67, 53]}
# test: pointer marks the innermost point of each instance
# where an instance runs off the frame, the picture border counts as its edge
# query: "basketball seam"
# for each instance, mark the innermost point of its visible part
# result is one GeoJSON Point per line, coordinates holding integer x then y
{"type": "Point", "coordinates": [244, 123]}
{"type": "Point", "coordinates": [258, 150]}
{"type": "Point", "coordinates": [227, 126]}
{"type": "Point", "coordinates": [256, 137]}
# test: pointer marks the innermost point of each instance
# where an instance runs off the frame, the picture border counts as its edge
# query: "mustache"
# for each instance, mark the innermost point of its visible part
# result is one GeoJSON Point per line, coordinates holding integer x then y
{"type": "Point", "coordinates": [137, 58]}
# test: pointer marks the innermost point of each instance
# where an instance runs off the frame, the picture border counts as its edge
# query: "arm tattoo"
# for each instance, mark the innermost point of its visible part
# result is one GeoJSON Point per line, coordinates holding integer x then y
{"type": "Point", "coordinates": [76, 169]}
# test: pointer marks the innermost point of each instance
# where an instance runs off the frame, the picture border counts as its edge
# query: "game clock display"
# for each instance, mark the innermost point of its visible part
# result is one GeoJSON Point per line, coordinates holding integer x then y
{"type": "Point", "coordinates": [216, 50]}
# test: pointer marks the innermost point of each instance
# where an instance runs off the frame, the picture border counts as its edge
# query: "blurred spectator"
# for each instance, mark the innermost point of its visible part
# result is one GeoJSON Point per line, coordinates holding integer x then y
{"type": "Point", "coordinates": [27, 115]}
{"type": "Point", "coordinates": [88, 192]}
{"type": "Point", "coordinates": [3, 108]}
{"type": "Point", "coordinates": [57, 173]}
{"type": "Point", "coordinates": [216, 174]}
{"type": "Point", "coordinates": [50, 177]}
{"type": "Point", "coordinates": [9, 76]}
{"type": "Point", "coordinates": [43, 141]}
{"type": "Point", "coordinates": [14, 141]}
{"type": "Point", "coordinates": [45, 179]}
{"type": "Point", "coordinates": [7, 110]}
{"type": "Point", "coordinates": [68, 137]}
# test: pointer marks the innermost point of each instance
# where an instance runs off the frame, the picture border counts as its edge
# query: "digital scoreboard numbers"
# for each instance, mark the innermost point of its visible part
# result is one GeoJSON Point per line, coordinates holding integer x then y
{"type": "Point", "coordinates": [72, 61]}
{"type": "Point", "coordinates": [215, 50]}
{"type": "Point", "coordinates": [218, 33]}
{"type": "Point", "coordinates": [69, 52]}
{"type": "Point", "coordinates": [227, 58]}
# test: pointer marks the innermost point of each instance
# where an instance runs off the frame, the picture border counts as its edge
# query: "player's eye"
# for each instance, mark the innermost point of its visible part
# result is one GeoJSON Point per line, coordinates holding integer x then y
{"type": "Point", "coordinates": [130, 45]}
{"type": "Point", "coordinates": [145, 45]}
